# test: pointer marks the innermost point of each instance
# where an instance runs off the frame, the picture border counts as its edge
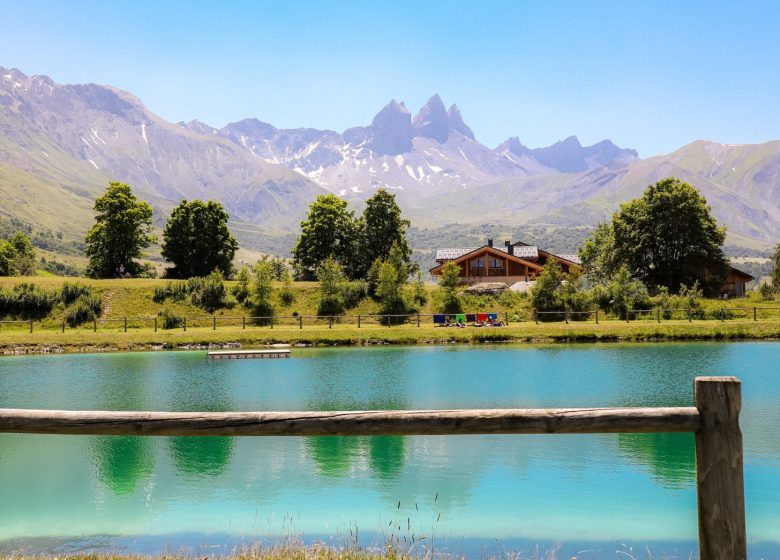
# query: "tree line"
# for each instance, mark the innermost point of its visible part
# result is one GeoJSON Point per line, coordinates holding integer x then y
{"type": "Point", "coordinates": [665, 243]}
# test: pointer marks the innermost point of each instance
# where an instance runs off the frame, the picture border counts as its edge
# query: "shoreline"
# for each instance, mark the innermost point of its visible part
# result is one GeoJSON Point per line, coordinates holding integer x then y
{"type": "Point", "coordinates": [86, 341]}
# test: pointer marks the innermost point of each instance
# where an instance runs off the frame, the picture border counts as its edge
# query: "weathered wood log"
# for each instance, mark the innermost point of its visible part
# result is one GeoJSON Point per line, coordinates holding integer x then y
{"type": "Point", "coordinates": [387, 422]}
{"type": "Point", "coordinates": [719, 471]}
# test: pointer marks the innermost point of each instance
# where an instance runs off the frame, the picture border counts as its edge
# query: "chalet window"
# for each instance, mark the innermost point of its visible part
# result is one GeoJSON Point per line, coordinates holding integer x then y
{"type": "Point", "coordinates": [478, 263]}
{"type": "Point", "coordinates": [496, 263]}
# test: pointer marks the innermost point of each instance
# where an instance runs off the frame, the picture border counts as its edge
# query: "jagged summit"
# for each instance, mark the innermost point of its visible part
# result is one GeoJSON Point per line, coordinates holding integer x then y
{"type": "Point", "coordinates": [391, 130]}
{"type": "Point", "coordinates": [457, 124]}
{"type": "Point", "coordinates": [432, 121]}
{"type": "Point", "coordinates": [513, 145]}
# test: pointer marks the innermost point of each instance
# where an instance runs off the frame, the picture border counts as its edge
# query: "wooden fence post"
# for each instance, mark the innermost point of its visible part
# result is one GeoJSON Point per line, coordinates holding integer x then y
{"type": "Point", "coordinates": [185, 324]}
{"type": "Point", "coordinates": [566, 316]}
{"type": "Point", "coordinates": [300, 322]}
{"type": "Point", "coordinates": [754, 313]}
{"type": "Point", "coordinates": [720, 486]}
{"type": "Point", "coordinates": [358, 321]}
{"type": "Point", "coordinates": [94, 325]}
{"type": "Point", "coordinates": [330, 321]}
{"type": "Point", "coordinates": [214, 323]}
{"type": "Point", "coordinates": [63, 326]}
{"type": "Point", "coordinates": [125, 324]}
{"type": "Point", "coordinates": [536, 316]}
{"type": "Point", "coordinates": [272, 322]}
{"type": "Point", "coordinates": [658, 314]}
{"type": "Point", "coordinates": [155, 324]}
{"type": "Point", "coordinates": [597, 315]}
{"type": "Point", "coordinates": [31, 326]}
{"type": "Point", "coordinates": [418, 320]}
{"type": "Point", "coordinates": [243, 323]}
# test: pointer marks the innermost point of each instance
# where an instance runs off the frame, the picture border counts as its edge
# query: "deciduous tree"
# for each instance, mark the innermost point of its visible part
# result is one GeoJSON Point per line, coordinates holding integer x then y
{"type": "Point", "coordinates": [449, 280]}
{"type": "Point", "coordinates": [382, 229]}
{"type": "Point", "coordinates": [329, 231]}
{"type": "Point", "coordinates": [122, 231]}
{"type": "Point", "coordinates": [668, 237]}
{"type": "Point", "coordinates": [197, 240]}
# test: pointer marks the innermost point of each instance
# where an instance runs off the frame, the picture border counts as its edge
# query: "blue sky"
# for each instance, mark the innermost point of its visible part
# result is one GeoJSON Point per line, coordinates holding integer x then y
{"type": "Point", "coordinates": [651, 75]}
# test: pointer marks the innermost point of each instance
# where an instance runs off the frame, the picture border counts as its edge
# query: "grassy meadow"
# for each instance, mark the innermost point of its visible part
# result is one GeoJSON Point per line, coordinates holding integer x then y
{"type": "Point", "coordinates": [133, 299]}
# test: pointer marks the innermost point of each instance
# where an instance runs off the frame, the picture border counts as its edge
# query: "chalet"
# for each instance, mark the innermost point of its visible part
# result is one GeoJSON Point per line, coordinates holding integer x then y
{"type": "Point", "coordinates": [519, 262]}
{"type": "Point", "coordinates": [734, 285]}
{"type": "Point", "coordinates": [514, 262]}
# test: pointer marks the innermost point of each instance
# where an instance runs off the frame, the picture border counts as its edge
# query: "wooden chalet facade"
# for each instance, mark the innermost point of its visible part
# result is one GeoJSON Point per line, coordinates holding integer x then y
{"type": "Point", "coordinates": [515, 262]}
{"type": "Point", "coordinates": [734, 285]}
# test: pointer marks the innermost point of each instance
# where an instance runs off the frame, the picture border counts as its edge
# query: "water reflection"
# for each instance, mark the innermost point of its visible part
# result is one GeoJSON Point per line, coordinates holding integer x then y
{"type": "Point", "coordinates": [483, 486]}
{"type": "Point", "coordinates": [200, 456]}
{"type": "Point", "coordinates": [122, 461]}
{"type": "Point", "coordinates": [386, 455]}
{"type": "Point", "coordinates": [669, 457]}
{"type": "Point", "coordinates": [207, 391]}
{"type": "Point", "coordinates": [333, 455]}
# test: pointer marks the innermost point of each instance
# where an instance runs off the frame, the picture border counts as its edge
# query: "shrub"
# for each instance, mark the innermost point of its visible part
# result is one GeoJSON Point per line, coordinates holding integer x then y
{"type": "Point", "coordinates": [419, 294]}
{"type": "Point", "coordinates": [353, 293]}
{"type": "Point", "coordinates": [209, 292]}
{"type": "Point", "coordinates": [70, 292]}
{"type": "Point", "coordinates": [766, 291]}
{"type": "Point", "coordinates": [170, 319]}
{"type": "Point", "coordinates": [176, 291]}
{"type": "Point", "coordinates": [448, 284]}
{"type": "Point", "coordinates": [332, 280]}
{"type": "Point", "coordinates": [330, 306]}
{"type": "Point", "coordinates": [626, 293]}
{"type": "Point", "coordinates": [27, 301]}
{"type": "Point", "coordinates": [545, 295]}
{"type": "Point", "coordinates": [87, 307]}
{"type": "Point", "coordinates": [286, 294]}
{"type": "Point", "coordinates": [690, 299]}
{"type": "Point", "coordinates": [263, 290]}
{"type": "Point", "coordinates": [241, 290]}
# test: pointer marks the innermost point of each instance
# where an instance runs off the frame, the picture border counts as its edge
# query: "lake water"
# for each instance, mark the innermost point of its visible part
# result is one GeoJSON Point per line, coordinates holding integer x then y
{"type": "Point", "coordinates": [467, 494]}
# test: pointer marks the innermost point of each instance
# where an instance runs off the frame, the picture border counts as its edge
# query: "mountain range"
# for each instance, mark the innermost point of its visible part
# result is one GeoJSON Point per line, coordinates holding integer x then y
{"type": "Point", "coordinates": [60, 145]}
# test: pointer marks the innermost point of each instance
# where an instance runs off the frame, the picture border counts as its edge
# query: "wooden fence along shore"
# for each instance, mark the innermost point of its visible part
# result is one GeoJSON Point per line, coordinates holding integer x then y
{"type": "Point", "coordinates": [413, 319]}
{"type": "Point", "coordinates": [714, 419]}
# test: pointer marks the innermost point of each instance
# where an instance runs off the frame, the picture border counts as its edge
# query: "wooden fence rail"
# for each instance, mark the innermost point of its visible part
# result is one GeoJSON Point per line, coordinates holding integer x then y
{"type": "Point", "coordinates": [714, 419]}
{"type": "Point", "coordinates": [213, 322]}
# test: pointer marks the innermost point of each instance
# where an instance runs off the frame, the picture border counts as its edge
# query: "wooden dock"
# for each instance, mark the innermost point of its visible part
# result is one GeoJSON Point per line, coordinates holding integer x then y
{"type": "Point", "coordinates": [247, 354]}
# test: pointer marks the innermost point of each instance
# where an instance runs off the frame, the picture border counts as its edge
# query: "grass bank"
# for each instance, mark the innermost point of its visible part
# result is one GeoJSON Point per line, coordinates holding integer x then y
{"type": "Point", "coordinates": [133, 299]}
{"type": "Point", "coordinates": [115, 339]}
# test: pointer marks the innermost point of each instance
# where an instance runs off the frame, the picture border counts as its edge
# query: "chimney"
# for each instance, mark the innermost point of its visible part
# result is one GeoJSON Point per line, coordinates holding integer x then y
{"type": "Point", "coordinates": [509, 247]}
{"type": "Point", "coordinates": [490, 242]}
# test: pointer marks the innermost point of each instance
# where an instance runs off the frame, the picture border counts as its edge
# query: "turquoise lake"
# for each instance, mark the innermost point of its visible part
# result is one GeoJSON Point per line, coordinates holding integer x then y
{"type": "Point", "coordinates": [467, 494]}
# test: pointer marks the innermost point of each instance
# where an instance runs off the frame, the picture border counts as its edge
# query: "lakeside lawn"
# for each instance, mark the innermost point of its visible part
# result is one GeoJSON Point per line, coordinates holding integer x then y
{"type": "Point", "coordinates": [17, 340]}
{"type": "Point", "coordinates": [134, 299]}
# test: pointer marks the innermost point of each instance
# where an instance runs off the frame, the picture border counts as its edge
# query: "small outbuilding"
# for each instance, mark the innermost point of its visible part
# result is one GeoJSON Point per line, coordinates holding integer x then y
{"type": "Point", "coordinates": [734, 285]}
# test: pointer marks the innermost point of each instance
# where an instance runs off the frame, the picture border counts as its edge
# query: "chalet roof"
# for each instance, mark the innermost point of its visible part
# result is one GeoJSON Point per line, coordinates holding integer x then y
{"type": "Point", "coordinates": [742, 273]}
{"type": "Point", "coordinates": [522, 251]}
{"type": "Point", "coordinates": [571, 258]}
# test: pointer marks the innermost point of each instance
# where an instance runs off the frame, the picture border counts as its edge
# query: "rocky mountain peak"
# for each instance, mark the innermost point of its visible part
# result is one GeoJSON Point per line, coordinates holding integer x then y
{"type": "Point", "coordinates": [432, 121]}
{"type": "Point", "coordinates": [198, 126]}
{"type": "Point", "coordinates": [457, 124]}
{"type": "Point", "coordinates": [513, 145]}
{"type": "Point", "coordinates": [253, 128]}
{"type": "Point", "coordinates": [390, 132]}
